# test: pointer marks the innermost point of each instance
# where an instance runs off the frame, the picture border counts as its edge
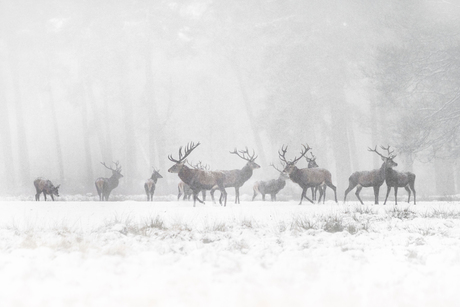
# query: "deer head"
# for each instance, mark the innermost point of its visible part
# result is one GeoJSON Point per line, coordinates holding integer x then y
{"type": "Point", "coordinates": [311, 161]}
{"type": "Point", "coordinates": [115, 172]}
{"type": "Point", "coordinates": [246, 156]}
{"type": "Point", "coordinates": [180, 162]}
{"type": "Point", "coordinates": [156, 174]}
{"type": "Point", "coordinates": [387, 161]}
{"type": "Point", "coordinates": [55, 190]}
{"type": "Point", "coordinates": [290, 165]}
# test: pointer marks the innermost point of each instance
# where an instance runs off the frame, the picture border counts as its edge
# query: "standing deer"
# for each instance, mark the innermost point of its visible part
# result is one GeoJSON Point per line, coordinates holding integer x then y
{"type": "Point", "coordinates": [271, 187]}
{"type": "Point", "coordinates": [306, 177]}
{"type": "Point", "coordinates": [312, 164]}
{"type": "Point", "coordinates": [197, 179]}
{"type": "Point", "coordinates": [397, 180]}
{"type": "Point", "coordinates": [47, 187]}
{"type": "Point", "coordinates": [184, 189]}
{"type": "Point", "coordinates": [237, 177]}
{"type": "Point", "coordinates": [374, 178]}
{"type": "Point", "coordinates": [151, 183]}
{"type": "Point", "coordinates": [105, 185]}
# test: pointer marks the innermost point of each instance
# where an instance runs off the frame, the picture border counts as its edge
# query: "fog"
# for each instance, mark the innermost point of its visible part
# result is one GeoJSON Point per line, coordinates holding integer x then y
{"type": "Point", "coordinates": [84, 82]}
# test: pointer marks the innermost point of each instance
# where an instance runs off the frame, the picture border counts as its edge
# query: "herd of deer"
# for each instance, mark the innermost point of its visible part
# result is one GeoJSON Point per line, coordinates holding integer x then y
{"type": "Point", "coordinates": [198, 178]}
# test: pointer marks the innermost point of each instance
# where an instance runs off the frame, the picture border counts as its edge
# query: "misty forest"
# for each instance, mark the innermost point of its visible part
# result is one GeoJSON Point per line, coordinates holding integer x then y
{"type": "Point", "coordinates": [85, 82]}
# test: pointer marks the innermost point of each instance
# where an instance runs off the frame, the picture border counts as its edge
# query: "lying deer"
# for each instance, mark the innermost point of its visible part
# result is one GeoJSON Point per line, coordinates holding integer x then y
{"type": "Point", "coordinates": [104, 186]}
{"type": "Point", "coordinates": [374, 178]}
{"type": "Point", "coordinates": [151, 183]}
{"type": "Point", "coordinates": [45, 186]}
{"type": "Point", "coordinates": [184, 189]}
{"type": "Point", "coordinates": [237, 177]}
{"type": "Point", "coordinates": [197, 179]}
{"type": "Point", "coordinates": [271, 187]}
{"type": "Point", "coordinates": [397, 180]}
{"type": "Point", "coordinates": [306, 177]}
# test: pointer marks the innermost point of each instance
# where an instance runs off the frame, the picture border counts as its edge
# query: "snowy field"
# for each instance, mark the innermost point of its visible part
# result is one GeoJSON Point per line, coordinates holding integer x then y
{"type": "Point", "coordinates": [255, 254]}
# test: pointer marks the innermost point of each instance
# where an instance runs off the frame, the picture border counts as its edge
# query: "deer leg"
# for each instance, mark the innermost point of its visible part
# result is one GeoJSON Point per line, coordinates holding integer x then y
{"type": "Point", "coordinates": [203, 194]}
{"type": "Point", "coordinates": [396, 195]}
{"type": "Point", "coordinates": [255, 194]}
{"type": "Point", "coordinates": [334, 188]}
{"type": "Point", "coordinates": [263, 196]}
{"type": "Point", "coordinates": [358, 189]}
{"type": "Point", "coordinates": [320, 194]}
{"type": "Point", "coordinates": [388, 192]}
{"type": "Point", "coordinates": [44, 194]}
{"type": "Point", "coordinates": [52, 197]}
{"type": "Point", "coordinates": [37, 196]}
{"type": "Point", "coordinates": [351, 186]}
{"type": "Point", "coordinates": [408, 191]}
{"type": "Point", "coordinates": [212, 195]}
{"type": "Point", "coordinates": [237, 195]}
{"type": "Point", "coordinates": [304, 195]}
{"type": "Point", "coordinates": [224, 195]}
{"type": "Point", "coordinates": [376, 194]}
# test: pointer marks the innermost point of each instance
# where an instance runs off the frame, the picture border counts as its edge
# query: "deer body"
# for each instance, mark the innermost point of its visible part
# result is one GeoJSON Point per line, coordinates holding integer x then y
{"type": "Point", "coordinates": [373, 178]}
{"type": "Point", "coordinates": [237, 177]}
{"type": "Point", "coordinates": [397, 180]}
{"type": "Point", "coordinates": [104, 186]}
{"type": "Point", "coordinates": [197, 179]}
{"type": "Point", "coordinates": [271, 187]}
{"type": "Point", "coordinates": [45, 186]}
{"type": "Point", "coordinates": [150, 184]}
{"type": "Point", "coordinates": [307, 177]}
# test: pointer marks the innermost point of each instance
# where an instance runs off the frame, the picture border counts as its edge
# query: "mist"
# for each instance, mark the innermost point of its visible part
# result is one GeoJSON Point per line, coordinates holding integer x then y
{"type": "Point", "coordinates": [85, 82]}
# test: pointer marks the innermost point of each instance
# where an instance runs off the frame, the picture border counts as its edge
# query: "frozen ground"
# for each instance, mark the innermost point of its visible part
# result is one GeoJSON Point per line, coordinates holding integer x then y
{"type": "Point", "coordinates": [254, 254]}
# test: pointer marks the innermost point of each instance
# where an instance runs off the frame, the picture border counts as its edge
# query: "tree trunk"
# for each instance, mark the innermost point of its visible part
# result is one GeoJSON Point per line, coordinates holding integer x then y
{"type": "Point", "coordinates": [57, 139]}
{"type": "Point", "coordinates": [444, 175]}
{"type": "Point", "coordinates": [23, 154]}
{"type": "Point", "coordinates": [5, 137]}
{"type": "Point", "coordinates": [249, 112]}
{"type": "Point", "coordinates": [86, 144]}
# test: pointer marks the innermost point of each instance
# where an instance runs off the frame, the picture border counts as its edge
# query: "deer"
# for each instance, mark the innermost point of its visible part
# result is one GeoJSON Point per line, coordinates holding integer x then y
{"type": "Point", "coordinates": [104, 186]}
{"type": "Point", "coordinates": [45, 186]}
{"type": "Point", "coordinates": [150, 184]}
{"type": "Point", "coordinates": [306, 177]}
{"type": "Point", "coordinates": [395, 179]}
{"type": "Point", "coordinates": [374, 178]}
{"type": "Point", "coordinates": [312, 164]}
{"type": "Point", "coordinates": [197, 179]}
{"type": "Point", "coordinates": [271, 187]}
{"type": "Point", "coordinates": [237, 177]}
{"type": "Point", "coordinates": [184, 189]}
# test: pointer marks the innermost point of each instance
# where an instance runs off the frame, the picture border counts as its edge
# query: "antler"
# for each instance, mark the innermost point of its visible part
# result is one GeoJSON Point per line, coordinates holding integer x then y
{"type": "Point", "coordinates": [249, 158]}
{"type": "Point", "coordinates": [188, 149]}
{"type": "Point", "coordinates": [117, 167]}
{"type": "Point", "coordinates": [271, 164]}
{"type": "Point", "coordinates": [312, 159]}
{"type": "Point", "coordinates": [375, 150]}
{"type": "Point", "coordinates": [284, 150]}
{"type": "Point", "coordinates": [390, 153]}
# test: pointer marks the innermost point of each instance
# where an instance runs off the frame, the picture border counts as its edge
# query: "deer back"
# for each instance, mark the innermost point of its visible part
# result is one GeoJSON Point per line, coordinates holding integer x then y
{"type": "Point", "coordinates": [398, 179]}
{"type": "Point", "coordinates": [311, 176]}
{"type": "Point", "coordinates": [199, 179]}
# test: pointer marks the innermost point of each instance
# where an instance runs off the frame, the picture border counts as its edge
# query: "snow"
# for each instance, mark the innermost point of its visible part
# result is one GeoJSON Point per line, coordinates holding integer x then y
{"type": "Point", "coordinates": [134, 253]}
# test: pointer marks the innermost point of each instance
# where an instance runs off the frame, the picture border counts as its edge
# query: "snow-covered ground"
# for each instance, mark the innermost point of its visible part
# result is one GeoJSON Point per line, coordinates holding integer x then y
{"type": "Point", "coordinates": [255, 254]}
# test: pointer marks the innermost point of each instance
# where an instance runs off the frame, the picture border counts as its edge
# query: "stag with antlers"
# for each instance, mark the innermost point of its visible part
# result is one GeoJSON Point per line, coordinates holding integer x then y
{"type": "Point", "coordinates": [312, 164]}
{"type": "Point", "coordinates": [306, 177]}
{"type": "Point", "coordinates": [105, 185]}
{"type": "Point", "coordinates": [197, 179]}
{"type": "Point", "coordinates": [184, 189]}
{"type": "Point", "coordinates": [271, 187]}
{"type": "Point", "coordinates": [395, 179]}
{"type": "Point", "coordinates": [374, 178]}
{"type": "Point", "coordinates": [151, 183]}
{"type": "Point", "coordinates": [237, 177]}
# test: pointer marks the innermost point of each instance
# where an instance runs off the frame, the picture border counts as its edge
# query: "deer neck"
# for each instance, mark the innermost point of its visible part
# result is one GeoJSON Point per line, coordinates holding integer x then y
{"type": "Point", "coordinates": [113, 181]}
{"type": "Point", "coordinates": [154, 178]}
{"type": "Point", "coordinates": [246, 172]}
{"type": "Point", "coordinates": [383, 171]}
{"type": "Point", "coordinates": [294, 175]}
{"type": "Point", "coordinates": [185, 174]}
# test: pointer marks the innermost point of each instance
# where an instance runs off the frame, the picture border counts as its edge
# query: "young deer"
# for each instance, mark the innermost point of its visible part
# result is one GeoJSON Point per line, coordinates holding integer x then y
{"type": "Point", "coordinates": [237, 177]}
{"type": "Point", "coordinates": [184, 189]}
{"type": "Point", "coordinates": [306, 177]}
{"type": "Point", "coordinates": [374, 178]}
{"type": "Point", "coordinates": [397, 180]}
{"type": "Point", "coordinates": [45, 186]}
{"type": "Point", "coordinates": [105, 185]}
{"type": "Point", "coordinates": [151, 183]}
{"type": "Point", "coordinates": [271, 187]}
{"type": "Point", "coordinates": [197, 179]}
